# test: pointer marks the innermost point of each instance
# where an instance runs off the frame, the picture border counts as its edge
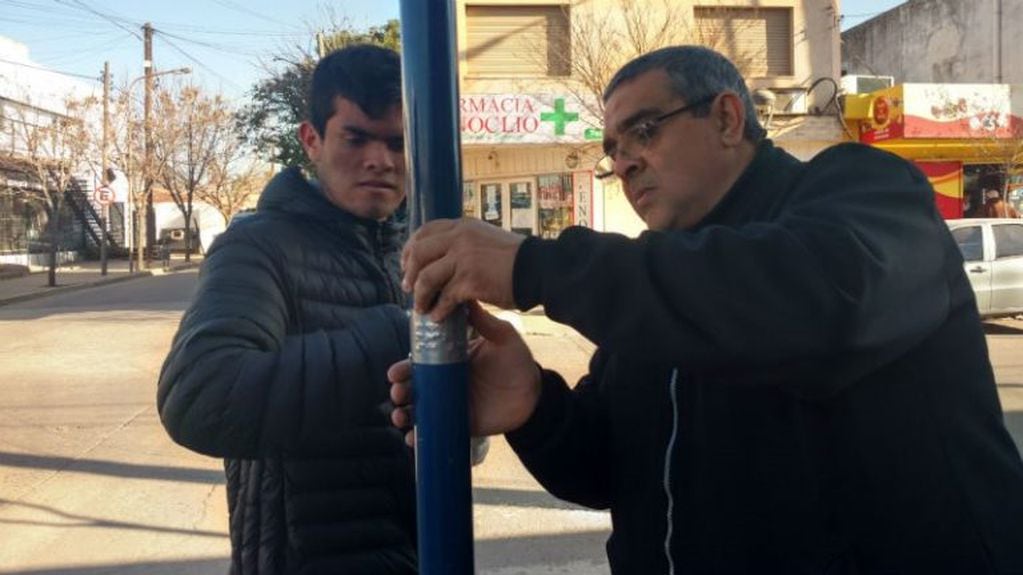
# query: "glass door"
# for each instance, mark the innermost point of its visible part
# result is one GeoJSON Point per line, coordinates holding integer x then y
{"type": "Point", "coordinates": [509, 204]}
{"type": "Point", "coordinates": [523, 208]}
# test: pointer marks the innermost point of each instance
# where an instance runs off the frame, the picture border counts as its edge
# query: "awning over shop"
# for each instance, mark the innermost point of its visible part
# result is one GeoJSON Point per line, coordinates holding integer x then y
{"type": "Point", "coordinates": [969, 123]}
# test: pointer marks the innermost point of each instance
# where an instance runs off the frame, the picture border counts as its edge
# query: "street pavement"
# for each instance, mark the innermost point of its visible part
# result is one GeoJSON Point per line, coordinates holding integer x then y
{"type": "Point", "coordinates": [90, 483]}
{"type": "Point", "coordinates": [81, 275]}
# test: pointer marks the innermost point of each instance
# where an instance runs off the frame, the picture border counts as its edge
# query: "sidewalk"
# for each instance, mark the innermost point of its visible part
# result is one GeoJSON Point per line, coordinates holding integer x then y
{"type": "Point", "coordinates": [80, 275]}
{"type": "Point", "coordinates": [553, 344]}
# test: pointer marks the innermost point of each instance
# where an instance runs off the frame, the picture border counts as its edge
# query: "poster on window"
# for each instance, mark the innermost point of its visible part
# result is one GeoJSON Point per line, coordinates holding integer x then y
{"type": "Point", "coordinates": [522, 212]}
{"type": "Point", "coordinates": [556, 211]}
{"type": "Point", "coordinates": [491, 203]}
{"type": "Point", "coordinates": [469, 200]}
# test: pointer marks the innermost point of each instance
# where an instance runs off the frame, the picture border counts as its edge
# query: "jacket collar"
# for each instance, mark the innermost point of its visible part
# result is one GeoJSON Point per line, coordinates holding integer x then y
{"type": "Point", "coordinates": [290, 192]}
{"type": "Point", "coordinates": [769, 173]}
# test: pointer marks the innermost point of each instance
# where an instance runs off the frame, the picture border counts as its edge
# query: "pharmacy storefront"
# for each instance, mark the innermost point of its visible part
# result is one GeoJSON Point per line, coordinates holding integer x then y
{"type": "Point", "coordinates": [528, 162]}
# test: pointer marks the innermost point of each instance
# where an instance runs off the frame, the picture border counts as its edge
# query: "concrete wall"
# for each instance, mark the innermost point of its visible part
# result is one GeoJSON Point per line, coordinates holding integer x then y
{"type": "Point", "coordinates": [204, 217]}
{"type": "Point", "coordinates": [939, 41]}
{"type": "Point", "coordinates": [37, 261]}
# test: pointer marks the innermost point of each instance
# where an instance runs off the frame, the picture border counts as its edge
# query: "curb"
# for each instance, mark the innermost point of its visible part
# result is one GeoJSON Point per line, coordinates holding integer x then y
{"type": "Point", "coordinates": [47, 292]}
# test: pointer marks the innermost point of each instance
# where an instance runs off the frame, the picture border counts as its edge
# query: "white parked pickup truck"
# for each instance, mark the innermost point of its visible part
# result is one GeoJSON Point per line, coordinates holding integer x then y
{"type": "Point", "coordinates": [993, 250]}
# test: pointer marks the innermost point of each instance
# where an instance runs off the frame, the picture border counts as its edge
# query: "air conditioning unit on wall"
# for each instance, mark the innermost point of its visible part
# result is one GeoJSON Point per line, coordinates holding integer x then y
{"type": "Point", "coordinates": [862, 84]}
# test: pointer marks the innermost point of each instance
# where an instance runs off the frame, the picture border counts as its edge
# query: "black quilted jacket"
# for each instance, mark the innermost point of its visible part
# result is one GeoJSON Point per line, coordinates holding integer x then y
{"type": "Point", "coordinates": [279, 367]}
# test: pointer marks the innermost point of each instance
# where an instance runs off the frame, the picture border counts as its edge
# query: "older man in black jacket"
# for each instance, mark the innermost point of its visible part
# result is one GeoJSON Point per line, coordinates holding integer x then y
{"type": "Point", "coordinates": [279, 364]}
{"type": "Point", "coordinates": [791, 374]}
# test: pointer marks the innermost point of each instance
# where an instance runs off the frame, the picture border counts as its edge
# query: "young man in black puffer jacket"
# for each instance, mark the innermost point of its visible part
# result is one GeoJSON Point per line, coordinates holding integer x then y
{"type": "Point", "coordinates": [279, 364]}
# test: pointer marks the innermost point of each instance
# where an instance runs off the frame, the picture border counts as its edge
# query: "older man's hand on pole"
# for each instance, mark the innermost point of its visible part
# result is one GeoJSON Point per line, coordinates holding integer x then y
{"type": "Point", "coordinates": [448, 262]}
{"type": "Point", "coordinates": [504, 381]}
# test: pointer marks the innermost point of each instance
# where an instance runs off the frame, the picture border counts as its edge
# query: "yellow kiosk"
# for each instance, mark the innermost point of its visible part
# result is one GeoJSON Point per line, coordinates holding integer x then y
{"type": "Point", "coordinates": [967, 138]}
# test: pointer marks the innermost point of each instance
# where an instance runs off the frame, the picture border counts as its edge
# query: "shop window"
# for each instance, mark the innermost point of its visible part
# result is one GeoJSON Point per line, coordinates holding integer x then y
{"type": "Point", "coordinates": [1008, 240]}
{"type": "Point", "coordinates": [530, 40]}
{"type": "Point", "coordinates": [757, 40]}
{"type": "Point", "coordinates": [556, 210]}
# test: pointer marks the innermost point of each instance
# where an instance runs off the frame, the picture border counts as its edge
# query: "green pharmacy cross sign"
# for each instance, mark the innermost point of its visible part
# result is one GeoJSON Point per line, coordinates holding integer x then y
{"type": "Point", "coordinates": [559, 117]}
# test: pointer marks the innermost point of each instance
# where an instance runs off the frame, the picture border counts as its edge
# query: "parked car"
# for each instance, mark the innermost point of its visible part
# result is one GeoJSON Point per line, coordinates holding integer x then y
{"type": "Point", "coordinates": [993, 254]}
{"type": "Point", "coordinates": [173, 239]}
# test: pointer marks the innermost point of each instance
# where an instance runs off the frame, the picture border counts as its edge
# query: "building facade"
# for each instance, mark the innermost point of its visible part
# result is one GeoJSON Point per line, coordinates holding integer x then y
{"type": "Point", "coordinates": [956, 108]}
{"type": "Point", "coordinates": [531, 73]}
{"type": "Point", "coordinates": [939, 41]}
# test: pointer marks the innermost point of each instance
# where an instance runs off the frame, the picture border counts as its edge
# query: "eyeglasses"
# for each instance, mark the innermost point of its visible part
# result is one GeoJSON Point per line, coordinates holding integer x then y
{"type": "Point", "coordinates": [639, 136]}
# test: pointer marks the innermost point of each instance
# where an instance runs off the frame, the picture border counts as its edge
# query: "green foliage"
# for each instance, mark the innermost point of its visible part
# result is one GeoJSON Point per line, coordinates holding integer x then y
{"type": "Point", "coordinates": [388, 36]}
{"type": "Point", "coordinates": [270, 122]}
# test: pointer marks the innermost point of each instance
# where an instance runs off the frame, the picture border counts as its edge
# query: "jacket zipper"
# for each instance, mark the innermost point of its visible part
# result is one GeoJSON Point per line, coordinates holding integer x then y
{"type": "Point", "coordinates": [673, 392]}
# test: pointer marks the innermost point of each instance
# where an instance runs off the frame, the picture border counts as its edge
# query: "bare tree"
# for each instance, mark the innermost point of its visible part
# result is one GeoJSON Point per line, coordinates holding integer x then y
{"type": "Point", "coordinates": [53, 149]}
{"type": "Point", "coordinates": [603, 41]}
{"type": "Point", "coordinates": [127, 155]}
{"type": "Point", "coordinates": [996, 135]}
{"type": "Point", "coordinates": [1007, 154]}
{"type": "Point", "coordinates": [600, 41]}
{"type": "Point", "coordinates": [235, 180]}
{"type": "Point", "coordinates": [192, 131]}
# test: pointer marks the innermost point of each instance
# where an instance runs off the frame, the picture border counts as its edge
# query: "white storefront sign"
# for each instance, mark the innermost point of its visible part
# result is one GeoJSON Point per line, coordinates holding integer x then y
{"type": "Point", "coordinates": [526, 119]}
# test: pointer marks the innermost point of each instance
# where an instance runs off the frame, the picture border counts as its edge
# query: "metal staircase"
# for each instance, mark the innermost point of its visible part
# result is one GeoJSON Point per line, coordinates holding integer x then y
{"type": "Point", "coordinates": [77, 196]}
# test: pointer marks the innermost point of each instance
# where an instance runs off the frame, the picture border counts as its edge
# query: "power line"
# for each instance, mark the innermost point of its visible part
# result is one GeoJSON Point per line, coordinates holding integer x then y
{"type": "Point", "coordinates": [76, 54]}
{"type": "Point", "coordinates": [221, 47]}
{"type": "Point", "coordinates": [225, 32]}
{"type": "Point", "coordinates": [245, 10]}
{"type": "Point", "coordinates": [864, 15]}
{"type": "Point", "coordinates": [106, 17]}
{"type": "Point", "coordinates": [93, 78]}
{"type": "Point", "coordinates": [197, 62]}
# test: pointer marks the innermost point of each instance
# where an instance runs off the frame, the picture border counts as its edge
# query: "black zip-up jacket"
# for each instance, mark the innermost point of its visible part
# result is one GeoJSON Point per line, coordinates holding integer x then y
{"type": "Point", "coordinates": [800, 384]}
{"type": "Point", "coordinates": [279, 366]}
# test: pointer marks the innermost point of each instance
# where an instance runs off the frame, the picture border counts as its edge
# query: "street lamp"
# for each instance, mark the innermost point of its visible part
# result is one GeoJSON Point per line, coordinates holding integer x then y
{"type": "Point", "coordinates": [139, 234]}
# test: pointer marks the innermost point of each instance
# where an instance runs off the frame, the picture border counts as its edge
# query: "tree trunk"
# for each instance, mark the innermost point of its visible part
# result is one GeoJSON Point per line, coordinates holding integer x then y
{"type": "Point", "coordinates": [54, 225]}
{"type": "Point", "coordinates": [140, 234]}
{"type": "Point", "coordinates": [188, 237]}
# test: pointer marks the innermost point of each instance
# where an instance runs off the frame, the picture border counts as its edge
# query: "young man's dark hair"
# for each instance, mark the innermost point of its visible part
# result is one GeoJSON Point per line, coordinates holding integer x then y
{"type": "Point", "coordinates": [367, 75]}
{"type": "Point", "coordinates": [278, 365]}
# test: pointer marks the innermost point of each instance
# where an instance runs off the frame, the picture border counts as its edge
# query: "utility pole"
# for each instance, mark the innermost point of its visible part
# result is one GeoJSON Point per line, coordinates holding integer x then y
{"type": "Point", "coordinates": [150, 216]}
{"type": "Point", "coordinates": [105, 169]}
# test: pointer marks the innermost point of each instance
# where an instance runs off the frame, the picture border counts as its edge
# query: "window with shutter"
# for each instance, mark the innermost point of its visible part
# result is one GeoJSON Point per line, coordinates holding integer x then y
{"type": "Point", "coordinates": [518, 40]}
{"type": "Point", "coordinates": [757, 40]}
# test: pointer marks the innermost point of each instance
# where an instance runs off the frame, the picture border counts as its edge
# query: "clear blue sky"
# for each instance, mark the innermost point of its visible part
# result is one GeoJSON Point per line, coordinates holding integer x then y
{"type": "Point", "coordinates": [856, 11]}
{"type": "Point", "coordinates": [225, 42]}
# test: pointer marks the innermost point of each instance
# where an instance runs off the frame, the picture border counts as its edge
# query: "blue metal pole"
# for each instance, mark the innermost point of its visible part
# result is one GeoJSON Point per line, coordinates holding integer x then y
{"type": "Point", "coordinates": [439, 350]}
